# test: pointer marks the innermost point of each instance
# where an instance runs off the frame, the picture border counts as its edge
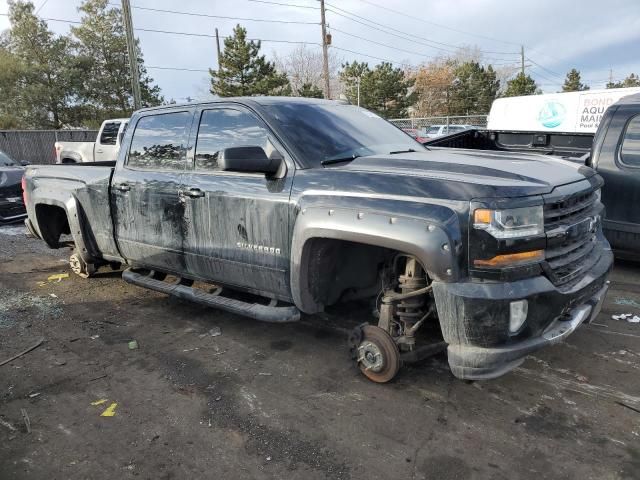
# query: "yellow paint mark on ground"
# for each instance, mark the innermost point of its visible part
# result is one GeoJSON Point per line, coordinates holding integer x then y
{"type": "Point", "coordinates": [110, 411]}
{"type": "Point", "coordinates": [99, 402]}
{"type": "Point", "coordinates": [58, 277]}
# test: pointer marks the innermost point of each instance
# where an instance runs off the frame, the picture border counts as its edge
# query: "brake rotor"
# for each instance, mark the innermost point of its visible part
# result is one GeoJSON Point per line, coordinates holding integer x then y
{"type": "Point", "coordinates": [378, 355]}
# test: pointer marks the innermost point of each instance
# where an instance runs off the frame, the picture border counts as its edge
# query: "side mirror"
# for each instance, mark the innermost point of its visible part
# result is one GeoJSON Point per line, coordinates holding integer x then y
{"type": "Point", "coordinates": [249, 159]}
{"type": "Point", "coordinates": [24, 163]}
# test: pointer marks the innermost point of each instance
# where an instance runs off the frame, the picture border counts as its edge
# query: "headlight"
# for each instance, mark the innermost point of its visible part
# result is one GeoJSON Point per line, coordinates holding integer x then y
{"type": "Point", "coordinates": [510, 223]}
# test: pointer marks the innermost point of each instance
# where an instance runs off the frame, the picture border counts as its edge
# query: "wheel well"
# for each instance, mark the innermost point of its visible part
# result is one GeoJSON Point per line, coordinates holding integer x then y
{"type": "Point", "coordinates": [68, 160]}
{"type": "Point", "coordinates": [340, 270]}
{"type": "Point", "coordinates": [53, 222]}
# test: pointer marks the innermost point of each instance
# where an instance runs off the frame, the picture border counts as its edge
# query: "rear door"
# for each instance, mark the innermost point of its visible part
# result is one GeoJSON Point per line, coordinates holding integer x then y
{"type": "Point", "coordinates": [148, 213]}
{"type": "Point", "coordinates": [238, 225]}
{"type": "Point", "coordinates": [106, 147]}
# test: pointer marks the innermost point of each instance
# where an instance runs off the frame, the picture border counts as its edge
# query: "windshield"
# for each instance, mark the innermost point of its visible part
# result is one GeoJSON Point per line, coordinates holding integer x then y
{"type": "Point", "coordinates": [5, 161]}
{"type": "Point", "coordinates": [434, 129]}
{"type": "Point", "coordinates": [323, 132]}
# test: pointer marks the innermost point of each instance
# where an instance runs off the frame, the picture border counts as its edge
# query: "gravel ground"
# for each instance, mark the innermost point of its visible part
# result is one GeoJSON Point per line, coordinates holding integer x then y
{"type": "Point", "coordinates": [285, 401]}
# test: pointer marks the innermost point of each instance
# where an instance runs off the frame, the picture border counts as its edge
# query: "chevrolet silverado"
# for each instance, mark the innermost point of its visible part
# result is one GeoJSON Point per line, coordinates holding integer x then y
{"type": "Point", "coordinates": [300, 204]}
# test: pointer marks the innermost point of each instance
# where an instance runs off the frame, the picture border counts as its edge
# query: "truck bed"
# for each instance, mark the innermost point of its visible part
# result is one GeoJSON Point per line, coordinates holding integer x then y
{"type": "Point", "coordinates": [570, 146]}
{"type": "Point", "coordinates": [87, 186]}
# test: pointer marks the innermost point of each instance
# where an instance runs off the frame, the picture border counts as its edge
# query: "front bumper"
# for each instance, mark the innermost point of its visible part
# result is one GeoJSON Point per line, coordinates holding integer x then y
{"type": "Point", "coordinates": [474, 318]}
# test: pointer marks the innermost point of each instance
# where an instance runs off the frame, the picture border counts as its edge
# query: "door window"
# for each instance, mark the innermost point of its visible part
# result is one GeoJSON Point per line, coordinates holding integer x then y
{"type": "Point", "coordinates": [222, 128]}
{"type": "Point", "coordinates": [109, 134]}
{"type": "Point", "coordinates": [159, 142]}
{"type": "Point", "coordinates": [630, 151]}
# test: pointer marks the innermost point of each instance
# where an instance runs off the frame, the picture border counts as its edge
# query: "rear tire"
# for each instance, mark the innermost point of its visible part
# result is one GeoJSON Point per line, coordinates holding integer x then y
{"type": "Point", "coordinates": [80, 267]}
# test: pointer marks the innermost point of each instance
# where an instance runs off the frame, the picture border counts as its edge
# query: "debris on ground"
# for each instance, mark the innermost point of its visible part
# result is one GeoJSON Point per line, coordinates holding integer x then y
{"type": "Point", "coordinates": [6, 424]}
{"type": "Point", "coordinates": [94, 337]}
{"type": "Point", "coordinates": [34, 395]}
{"type": "Point", "coordinates": [99, 402]}
{"type": "Point", "coordinates": [53, 295]}
{"type": "Point", "coordinates": [24, 352]}
{"type": "Point", "coordinates": [57, 277]}
{"type": "Point", "coordinates": [25, 418]}
{"type": "Point", "coordinates": [629, 317]}
{"type": "Point", "coordinates": [110, 411]}
{"type": "Point", "coordinates": [133, 345]}
{"type": "Point", "coordinates": [214, 332]}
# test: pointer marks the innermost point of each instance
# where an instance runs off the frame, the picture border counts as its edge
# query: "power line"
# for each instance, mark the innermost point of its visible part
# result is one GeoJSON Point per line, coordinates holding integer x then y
{"type": "Point", "coordinates": [244, 19]}
{"type": "Point", "coordinates": [285, 4]}
{"type": "Point", "coordinates": [457, 47]}
{"type": "Point", "coordinates": [437, 24]}
{"type": "Point", "coordinates": [546, 69]}
{"type": "Point", "coordinates": [403, 37]}
{"type": "Point", "coordinates": [209, 35]}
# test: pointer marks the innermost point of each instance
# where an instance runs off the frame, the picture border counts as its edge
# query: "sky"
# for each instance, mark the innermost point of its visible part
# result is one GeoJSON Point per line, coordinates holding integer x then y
{"type": "Point", "coordinates": [598, 38]}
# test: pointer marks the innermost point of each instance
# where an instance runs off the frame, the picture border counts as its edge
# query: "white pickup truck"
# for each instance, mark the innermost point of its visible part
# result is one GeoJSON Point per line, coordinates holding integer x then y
{"type": "Point", "coordinates": [105, 148]}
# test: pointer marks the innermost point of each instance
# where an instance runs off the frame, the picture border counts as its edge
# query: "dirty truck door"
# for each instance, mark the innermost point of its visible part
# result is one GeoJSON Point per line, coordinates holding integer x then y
{"type": "Point", "coordinates": [238, 225]}
{"type": "Point", "coordinates": [148, 213]}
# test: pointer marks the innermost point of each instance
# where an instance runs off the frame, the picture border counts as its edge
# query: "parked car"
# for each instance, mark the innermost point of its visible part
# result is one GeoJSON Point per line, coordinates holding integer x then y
{"type": "Point", "coordinates": [105, 148]}
{"type": "Point", "coordinates": [416, 134]}
{"type": "Point", "coordinates": [12, 207]}
{"type": "Point", "coordinates": [311, 202]}
{"type": "Point", "coordinates": [435, 131]}
{"type": "Point", "coordinates": [616, 157]}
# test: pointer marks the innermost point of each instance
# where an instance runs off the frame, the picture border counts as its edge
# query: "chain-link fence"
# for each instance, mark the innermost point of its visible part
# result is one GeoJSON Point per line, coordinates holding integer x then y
{"type": "Point", "coordinates": [36, 146]}
{"type": "Point", "coordinates": [423, 123]}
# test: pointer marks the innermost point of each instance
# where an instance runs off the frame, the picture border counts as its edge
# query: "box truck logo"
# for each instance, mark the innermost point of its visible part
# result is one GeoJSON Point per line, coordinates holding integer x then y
{"type": "Point", "coordinates": [552, 114]}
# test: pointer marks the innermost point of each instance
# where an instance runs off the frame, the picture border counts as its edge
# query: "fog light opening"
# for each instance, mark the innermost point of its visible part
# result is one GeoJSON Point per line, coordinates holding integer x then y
{"type": "Point", "coordinates": [517, 315]}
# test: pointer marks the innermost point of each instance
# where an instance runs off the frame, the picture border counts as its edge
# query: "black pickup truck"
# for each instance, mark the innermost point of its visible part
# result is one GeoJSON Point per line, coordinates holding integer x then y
{"type": "Point", "coordinates": [300, 204]}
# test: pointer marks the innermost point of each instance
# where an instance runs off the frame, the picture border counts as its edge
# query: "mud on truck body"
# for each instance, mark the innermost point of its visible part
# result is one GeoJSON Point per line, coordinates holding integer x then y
{"type": "Point", "coordinates": [307, 203]}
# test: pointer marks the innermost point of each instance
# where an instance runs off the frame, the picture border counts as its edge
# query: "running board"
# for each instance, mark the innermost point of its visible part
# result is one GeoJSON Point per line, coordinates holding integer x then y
{"type": "Point", "coordinates": [263, 313]}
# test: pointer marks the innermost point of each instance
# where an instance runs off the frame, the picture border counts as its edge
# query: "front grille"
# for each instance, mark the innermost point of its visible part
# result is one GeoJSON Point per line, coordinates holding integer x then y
{"type": "Point", "coordinates": [11, 209]}
{"type": "Point", "coordinates": [571, 226]}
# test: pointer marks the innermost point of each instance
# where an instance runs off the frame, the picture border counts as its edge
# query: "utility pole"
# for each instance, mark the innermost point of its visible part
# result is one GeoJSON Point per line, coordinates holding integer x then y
{"type": "Point", "coordinates": [359, 91]}
{"type": "Point", "coordinates": [218, 46]}
{"type": "Point", "coordinates": [522, 59]}
{"type": "Point", "coordinates": [133, 56]}
{"type": "Point", "coordinates": [325, 52]}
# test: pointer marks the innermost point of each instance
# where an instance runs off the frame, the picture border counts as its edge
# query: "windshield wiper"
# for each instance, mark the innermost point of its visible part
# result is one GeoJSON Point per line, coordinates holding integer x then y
{"type": "Point", "coordinates": [410, 150]}
{"type": "Point", "coordinates": [331, 161]}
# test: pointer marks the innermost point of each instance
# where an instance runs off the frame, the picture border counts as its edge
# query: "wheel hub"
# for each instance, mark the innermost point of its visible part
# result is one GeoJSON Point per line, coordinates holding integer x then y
{"type": "Point", "coordinates": [370, 356]}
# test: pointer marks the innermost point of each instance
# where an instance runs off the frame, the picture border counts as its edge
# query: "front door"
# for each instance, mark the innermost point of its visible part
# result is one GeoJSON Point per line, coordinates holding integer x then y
{"type": "Point", "coordinates": [238, 223]}
{"type": "Point", "coordinates": [147, 209]}
{"type": "Point", "coordinates": [106, 147]}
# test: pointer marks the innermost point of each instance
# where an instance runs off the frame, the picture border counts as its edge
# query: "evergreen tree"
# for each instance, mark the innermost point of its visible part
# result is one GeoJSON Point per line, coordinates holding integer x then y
{"type": "Point", "coordinates": [384, 90]}
{"type": "Point", "coordinates": [102, 47]}
{"type": "Point", "coordinates": [244, 72]}
{"type": "Point", "coordinates": [631, 81]}
{"type": "Point", "coordinates": [572, 82]}
{"type": "Point", "coordinates": [40, 75]}
{"type": "Point", "coordinates": [521, 85]}
{"type": "Point", "coordinates": [311, 91]}
{"type": "Point", "coordinates": [473, 89]}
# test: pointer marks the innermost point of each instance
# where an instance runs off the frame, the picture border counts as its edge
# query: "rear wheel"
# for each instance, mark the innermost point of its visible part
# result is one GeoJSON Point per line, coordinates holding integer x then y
{"type": "Point", "coordinates": [80, 267]}
{"type": "Point", "coordinates": [378, 355]}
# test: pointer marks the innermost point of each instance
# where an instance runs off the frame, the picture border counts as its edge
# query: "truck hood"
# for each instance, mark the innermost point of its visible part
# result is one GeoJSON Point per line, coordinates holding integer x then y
{"type": "Point", "coordinates": [486, 174]}
{"type": "Point", "coordinates": [10, 178]}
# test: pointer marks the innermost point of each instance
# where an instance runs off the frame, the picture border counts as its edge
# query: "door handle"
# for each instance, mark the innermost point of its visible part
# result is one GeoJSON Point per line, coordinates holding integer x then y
{"type": "Point", "coordinates": [99, 151]}
{"type": "Point", "coordinates": [123, 187]}
{"type": "Point", "coordinates": [192, 193]}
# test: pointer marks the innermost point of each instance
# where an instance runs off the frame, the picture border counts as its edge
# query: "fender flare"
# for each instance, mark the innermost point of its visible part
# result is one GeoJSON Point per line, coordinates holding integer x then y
{"type": "Point", "coordinates": [435, 242]}
{"type": "Point", "coordinates": [75, 218]}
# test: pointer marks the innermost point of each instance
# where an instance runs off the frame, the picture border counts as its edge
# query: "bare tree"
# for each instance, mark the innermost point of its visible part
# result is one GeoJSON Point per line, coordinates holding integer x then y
{"type": "Point", "coordinates": [303, 65]}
